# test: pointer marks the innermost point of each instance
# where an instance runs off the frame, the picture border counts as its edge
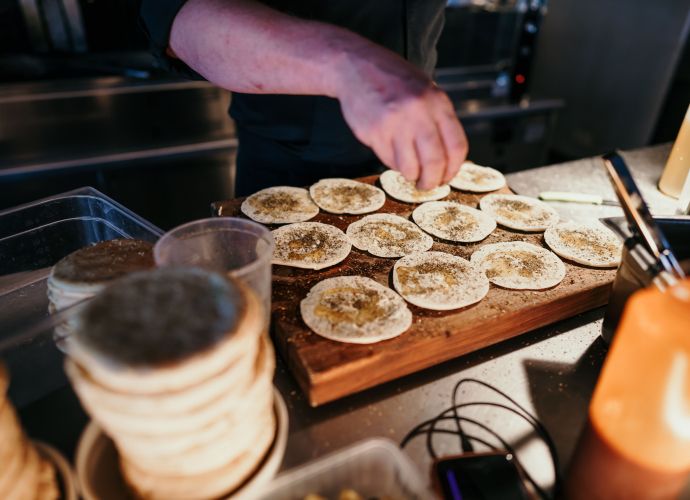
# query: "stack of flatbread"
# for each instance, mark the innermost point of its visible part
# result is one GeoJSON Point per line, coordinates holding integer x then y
{"type": "Point", "coordinates": [82, 274]}
{"type": "Point", "coordinates": [174, 364]}
{"type": "Point", "coordinates": [24, 474]}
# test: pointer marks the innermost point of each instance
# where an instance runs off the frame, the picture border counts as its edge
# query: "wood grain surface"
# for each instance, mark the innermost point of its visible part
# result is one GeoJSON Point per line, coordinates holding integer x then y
{"type": "Point", "coordinates": [328, 370]}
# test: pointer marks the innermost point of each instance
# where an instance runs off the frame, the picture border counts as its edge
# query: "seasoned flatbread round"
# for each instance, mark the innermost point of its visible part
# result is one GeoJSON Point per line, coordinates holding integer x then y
{"type": "Point", "coordinates": [310, 245]}
{"type": "Point", "coordinates": [519, 212]}
{"type": "Point", "coordinates": [401, 189]}
{"type": "Point", "coordinates": [519, 265]}
{"type": "Point", "coordinates": [280, 205]}
{"type": "Point", "coordinates": [345, 196]}
{"type": "Point", "coordinates": [453, 221]}
{"type": "Point", "coordinates": [439, 281]}
{"type": "Point", "coordinates": [590, 244]}
{"type": "Point", "coordinates": [388, 235]}
{"type": "Point", "coordinates": [477, 179]}
{"type": "Point", "coordinates": [355, 309]}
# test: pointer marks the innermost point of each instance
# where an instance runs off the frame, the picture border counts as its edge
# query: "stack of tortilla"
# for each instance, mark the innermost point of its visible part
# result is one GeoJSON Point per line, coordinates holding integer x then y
{"type": "Point", "coordinates": [82, 274]}
{"type": "Point", "coordinates": [175, 365]}
{"type": "Point", "coordinates": [24, 474]}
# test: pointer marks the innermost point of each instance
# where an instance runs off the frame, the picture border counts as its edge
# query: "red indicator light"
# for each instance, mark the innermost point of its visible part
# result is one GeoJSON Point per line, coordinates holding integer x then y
{"type": "Point", "coordinates": [520, 79]}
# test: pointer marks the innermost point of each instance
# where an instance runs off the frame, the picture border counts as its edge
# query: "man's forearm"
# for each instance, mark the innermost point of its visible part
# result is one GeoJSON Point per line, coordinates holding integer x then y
{"type": "Point", "coordinates": [244, 46]}
{"type": "Point", "coordinates": [390, 105]}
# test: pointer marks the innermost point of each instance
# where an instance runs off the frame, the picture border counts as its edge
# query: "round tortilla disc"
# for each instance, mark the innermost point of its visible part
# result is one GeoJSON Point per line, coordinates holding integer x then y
{"type": "Point", "coordinates": [453, 221]}
{"type": "Point", "coordinates": [520, 266]}
{"type": "Point", "coordinates": [519, 212]}
{"type": "Point", "coordinates": [310, 245]}
{"type": "Point", "coordinates": [355, 309]}
{"type": "Point", "coordinates": [591, 244]}
{"type": "Point", "coordinates": [280, 205]}
{"type": "Point", "coordinates": [388, 235]}
{"type": "Point", "coordinates": [401, 189]}
{"type": "Point", "coordinates": [345, 196]}
{"type": "Point", "coordinates": [439, 281]}
{"type": "Point", "coordinates": [477, 179]}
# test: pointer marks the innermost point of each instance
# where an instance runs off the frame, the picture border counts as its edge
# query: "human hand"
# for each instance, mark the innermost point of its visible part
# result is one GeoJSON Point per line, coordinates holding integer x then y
{"type": "Point", "coordinates": [396, 110]}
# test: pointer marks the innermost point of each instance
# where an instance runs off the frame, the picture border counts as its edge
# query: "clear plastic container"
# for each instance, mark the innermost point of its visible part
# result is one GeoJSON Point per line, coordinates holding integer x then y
{"type": "Point", "coordinates": [33, 237]}
{"type": "Point", "coordinates": [373, 468]}
{"type": "Point", "coordinates": [239, 247]}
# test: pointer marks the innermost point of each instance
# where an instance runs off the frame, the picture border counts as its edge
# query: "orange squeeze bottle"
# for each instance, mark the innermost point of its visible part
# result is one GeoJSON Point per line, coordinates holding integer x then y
{"type": "Point", "coordinates": [636, 444]}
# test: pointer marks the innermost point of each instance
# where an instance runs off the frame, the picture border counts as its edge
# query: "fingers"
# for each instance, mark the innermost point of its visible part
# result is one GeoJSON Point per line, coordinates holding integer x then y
{"type": "Point", "coordinates": [416, 134]}
{"type": "Point", "coordinates": [441, 152]}
{"type": "Point", "coordinates": [383, 148]}
{"type": "Point", "coordinates": [432, 157]}
{"type": "Point", "coordinates": [406, 161]}
{"type": "Point", "coordinates": [455, 144]}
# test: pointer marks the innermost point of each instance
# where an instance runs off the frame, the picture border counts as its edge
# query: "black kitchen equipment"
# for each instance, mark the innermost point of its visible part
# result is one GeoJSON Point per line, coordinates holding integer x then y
{"type": "Point", "coordinates": [485, 56]}
{"type": "Point", "coordinates": [650, 255]}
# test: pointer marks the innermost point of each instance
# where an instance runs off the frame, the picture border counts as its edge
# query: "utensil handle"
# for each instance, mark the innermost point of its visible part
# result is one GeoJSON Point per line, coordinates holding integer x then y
{"type": "Point", "coordinates": [592, 199]}
{"type": "Point", "coordinates": [639, 218]}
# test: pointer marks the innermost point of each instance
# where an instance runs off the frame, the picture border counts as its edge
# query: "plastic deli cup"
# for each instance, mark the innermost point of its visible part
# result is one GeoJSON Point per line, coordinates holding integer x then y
{"type": "Point", "coordinates": [238, 247]}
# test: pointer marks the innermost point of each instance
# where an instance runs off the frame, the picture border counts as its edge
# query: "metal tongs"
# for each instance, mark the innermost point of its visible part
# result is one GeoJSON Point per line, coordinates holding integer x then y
{"type": "Point", "coordinates": [662, 264]}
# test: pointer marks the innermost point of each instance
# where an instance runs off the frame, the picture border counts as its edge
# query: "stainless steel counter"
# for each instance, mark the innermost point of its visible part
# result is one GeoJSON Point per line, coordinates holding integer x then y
{"type": "Point", "coordinates": [88, 123]}
{"type": "Point", "coordinates": [551, 371]}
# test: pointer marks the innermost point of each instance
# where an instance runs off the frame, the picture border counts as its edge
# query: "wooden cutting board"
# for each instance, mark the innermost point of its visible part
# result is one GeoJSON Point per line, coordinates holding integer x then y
{"type": "Point", "coordinates": [328, 370]}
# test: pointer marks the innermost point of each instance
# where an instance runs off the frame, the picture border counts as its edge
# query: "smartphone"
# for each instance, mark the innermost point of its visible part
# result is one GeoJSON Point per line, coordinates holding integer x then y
{"type": "Point", "coordinates": [479, 476]}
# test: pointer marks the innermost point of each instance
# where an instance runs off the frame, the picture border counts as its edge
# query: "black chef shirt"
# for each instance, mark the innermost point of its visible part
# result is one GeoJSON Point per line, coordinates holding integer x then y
{"type": "Point", "coordinates": [296, 140]}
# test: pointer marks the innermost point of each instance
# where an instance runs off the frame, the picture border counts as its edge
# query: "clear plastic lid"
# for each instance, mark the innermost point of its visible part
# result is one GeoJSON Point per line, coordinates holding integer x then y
{"type": "Point", "coordinates": [373, 468]}
{"type": "Point", "coordinates": [33, 237]}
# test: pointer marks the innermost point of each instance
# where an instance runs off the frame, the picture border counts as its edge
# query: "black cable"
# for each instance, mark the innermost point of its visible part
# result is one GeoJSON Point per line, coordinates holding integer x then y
{"type": "Point", "coordinates": [537, 428]}
{"type": "Point", "coordinates": [470, 436]}
{"type": "Point", "coordinates": [465, 443]}
{"type": "Point", "coordinates": [507, 447]}
{"type": "Point", "coordinates": [536, 424]}
{"type": "Point", "coordinates": [466, 439]}
{"type": "Point", "coordinates": [442, 415]}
